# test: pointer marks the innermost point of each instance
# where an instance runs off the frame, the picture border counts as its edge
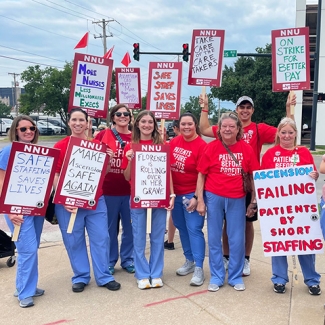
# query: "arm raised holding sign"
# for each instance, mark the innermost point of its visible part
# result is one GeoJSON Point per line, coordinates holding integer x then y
{"type": "Point", "coordinates": [94, 221]}
{"type": "Point", "coordinates": [23, 129]}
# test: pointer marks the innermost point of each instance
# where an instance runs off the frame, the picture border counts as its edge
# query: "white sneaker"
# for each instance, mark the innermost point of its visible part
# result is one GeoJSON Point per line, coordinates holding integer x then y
{"type": "Point", "coordinates": [156, 283]}
{"type": "Point", "coordinates": [213, 287]}
{"type": "Point", "coordinates": [198, 277]}
{"type": "Point", "coordinates": [239, 286]}
{"type": "Point", "coordinates": [225, 263]}
{"type": "Point", "coordinates": [187, 268]}
{"type": "Point", "coordinates": [144, 284]}
{"type": "Point", "coordinates": [247, 268]}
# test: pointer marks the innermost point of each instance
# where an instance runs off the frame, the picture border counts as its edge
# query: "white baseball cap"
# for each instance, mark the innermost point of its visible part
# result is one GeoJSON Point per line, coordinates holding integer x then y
{"type": "Point", "coordinates": [243, 98]}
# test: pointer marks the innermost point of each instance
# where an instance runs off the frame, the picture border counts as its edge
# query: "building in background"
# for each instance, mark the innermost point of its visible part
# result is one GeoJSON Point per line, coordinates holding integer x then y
{"type": "Point", "coordinates": [8, 96]}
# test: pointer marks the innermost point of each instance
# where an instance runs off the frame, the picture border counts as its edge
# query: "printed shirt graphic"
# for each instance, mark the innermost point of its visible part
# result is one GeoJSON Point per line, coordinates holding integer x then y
{"type": "Point", "coordinates": [114, 182]}
{"type": "Point", "coordinates": [266, 134]}
{"type": "Point", "coordinates": [278, 157]}
{"type": "Point", "coordinates": [223, 175]}
{"type": "Point", "coordinates": [184, 160]}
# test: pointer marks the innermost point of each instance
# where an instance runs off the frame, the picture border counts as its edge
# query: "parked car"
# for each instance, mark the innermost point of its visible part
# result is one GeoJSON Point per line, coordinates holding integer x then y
{"type": "Point", "coordinates": [5, 124]}
{"type": "Point", "coordinates": [59, 123]}
{"type": "Point", "coordinates": [44, 130]}
{"type": "Point", "coordinates": [56, 129]}
{"type": "Point", "coordinates": [170, 130]}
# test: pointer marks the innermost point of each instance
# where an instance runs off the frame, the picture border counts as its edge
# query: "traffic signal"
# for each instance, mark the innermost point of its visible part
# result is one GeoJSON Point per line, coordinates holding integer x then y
{"type": "Point", "coordinates": [136, 51]}
{"type": "Point", "coordinates": [185, 52]}
{"type": "Point", "coordinates": [321, 97]}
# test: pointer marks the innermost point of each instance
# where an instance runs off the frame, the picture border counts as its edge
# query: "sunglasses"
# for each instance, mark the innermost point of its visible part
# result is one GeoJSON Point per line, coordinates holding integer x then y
{"type": "Point", "coordinates": [24, 129]}
{"type": "Point", "coordinates": [119, 114]}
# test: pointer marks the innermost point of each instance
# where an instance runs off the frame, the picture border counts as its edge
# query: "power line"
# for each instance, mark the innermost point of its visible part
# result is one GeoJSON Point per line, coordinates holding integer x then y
{"type": "Point", "coordinates": [48, 65]}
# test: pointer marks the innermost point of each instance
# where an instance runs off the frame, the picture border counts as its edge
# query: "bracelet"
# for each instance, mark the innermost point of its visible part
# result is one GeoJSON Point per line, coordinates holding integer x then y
{"type": "Point", "coordinates": [204, 110]}
{"type": "Point", "coordinates": [195, 197]}
{"type": "Point", "coordinates": [172, 195]}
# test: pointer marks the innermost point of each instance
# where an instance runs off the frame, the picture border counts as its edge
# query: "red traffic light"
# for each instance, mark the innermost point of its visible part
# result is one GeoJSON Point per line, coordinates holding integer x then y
{"type": "Point", "coordinates": [185, 46]}
{"type": "Point", "coordinates": [136, 45]}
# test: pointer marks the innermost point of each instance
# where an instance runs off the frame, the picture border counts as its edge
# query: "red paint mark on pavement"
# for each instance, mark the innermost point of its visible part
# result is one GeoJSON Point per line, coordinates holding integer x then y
{"type": "Point", "coordinates": [62, 321]}
{"type": "Point", "coordinates": [175, 298]}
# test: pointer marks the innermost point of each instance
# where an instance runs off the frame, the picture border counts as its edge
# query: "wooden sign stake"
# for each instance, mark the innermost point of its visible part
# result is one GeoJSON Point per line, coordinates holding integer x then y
{"type": "Point", "coordinates": [71, 221]}
{"type": "Point", "coordinates": [16, 232]}
{"type": "Point", "coordinates": [203, 92]}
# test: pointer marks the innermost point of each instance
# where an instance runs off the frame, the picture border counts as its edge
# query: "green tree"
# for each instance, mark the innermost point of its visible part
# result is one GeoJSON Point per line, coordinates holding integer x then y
{"type": "Point", "coordinates": [193, 106]}
{"type": "Point", "coordinates": [4, 110]}
{"type": "Point", "coordinates": [252, 76]}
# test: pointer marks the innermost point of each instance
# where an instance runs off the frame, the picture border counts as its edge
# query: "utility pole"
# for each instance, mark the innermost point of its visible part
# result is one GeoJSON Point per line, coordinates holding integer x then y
{"type": "Point", "coordinates": [15, 91]}
{"type": "Point", "coordinates": [103, 24]}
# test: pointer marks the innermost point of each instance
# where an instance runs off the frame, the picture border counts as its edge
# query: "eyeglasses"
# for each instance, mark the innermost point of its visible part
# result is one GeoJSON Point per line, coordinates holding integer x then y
{"type": "Point", "coordinates": [119, 114]}
{"type": "Point", "coordinates": [24, 129]}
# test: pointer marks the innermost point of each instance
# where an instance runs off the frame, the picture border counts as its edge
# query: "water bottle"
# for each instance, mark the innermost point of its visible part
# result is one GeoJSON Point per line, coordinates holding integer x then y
{"type": "Point", "coordinates": [186, 203]}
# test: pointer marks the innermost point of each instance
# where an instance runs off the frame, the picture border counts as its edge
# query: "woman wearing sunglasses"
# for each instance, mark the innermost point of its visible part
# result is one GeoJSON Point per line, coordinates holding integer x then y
{"type": "Point", "coordinates": [23, 129]}
{"type": "Point", "coordinates": [117, 192]}
{"type": "Point", "coordinates": [147, 273]}
{"type": "Point", "coordinates": [94, 221]}
{"type": "Point", "coordinates": [220, 177]}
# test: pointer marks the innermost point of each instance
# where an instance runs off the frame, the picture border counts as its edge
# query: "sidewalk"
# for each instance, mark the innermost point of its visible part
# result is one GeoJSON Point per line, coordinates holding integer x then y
{"type": "Point", "coordinates": [176, 303]}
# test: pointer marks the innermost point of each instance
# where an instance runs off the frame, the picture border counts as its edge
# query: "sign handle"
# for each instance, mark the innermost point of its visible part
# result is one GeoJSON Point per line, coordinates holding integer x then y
{"type": "Point", "coordinates": [295, 271]}
{"type": "Point", "coordinates": [203, 91]}
{"type": "Point", "coordinates": [292, 107]}
{"type": "Point", "coordinates": [149, 215]}
{"type": "Point", "coordinates": [71, 221]}
{"type": "Point", "coordinates": [16, 232]}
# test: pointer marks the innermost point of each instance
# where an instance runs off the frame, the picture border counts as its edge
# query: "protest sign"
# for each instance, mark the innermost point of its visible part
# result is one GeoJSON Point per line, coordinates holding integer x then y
{"type": "Point", "coordinates": [288, 211]}
{"type": "Point", "coordinates": [28, 179]}
{"type": "Point", "coordinates": [290, 59]}
{"type": "Point", "coordinates": [164, 89]}
{"type": "Point", "coordinates": [206, 57]}
{"type": "Point", "coordinates": [91, 84]}
{"type": "Point", "coordinates": [128, 87]}
{"type": "Point", "coordinates": [82, 174]}
{"type": "Point", "coordinates": [150, 185]}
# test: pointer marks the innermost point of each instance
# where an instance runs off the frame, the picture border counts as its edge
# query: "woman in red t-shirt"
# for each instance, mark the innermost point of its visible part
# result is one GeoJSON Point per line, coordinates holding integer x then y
{"type": "Point", "coordinates": [186, 150]}
{"type": "Point", "coordinates": [286, 153]}
{"type": "Point", "coordinates": [220, 176]}
{"type": "Point", "coordinates": [147, 273]}
{"type": "Point", "coordinates": [94, 221]}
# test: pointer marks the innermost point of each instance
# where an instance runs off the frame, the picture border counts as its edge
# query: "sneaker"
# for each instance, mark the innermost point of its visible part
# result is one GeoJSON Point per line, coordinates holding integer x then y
{"type": "Point", "coordinates": [169, 246]}
{"type": "Point", "coordinates": [144, 284]}
{"type": "Point", "coordinates": [112, 285]}
{"type": "Point", "coordinates": [198, 277]}
{"type": "Point", "coordinates": [130, 268]}
{"type": "Point", "coordinates": [78, 287]}
{"type": "Point", "coordinates": [111, 270]}
{"type": "Point", "coordinates": [38, 293]}
{"type": "Point", "coordinates": [225, 263]}
{"type": "Point", "coordinates": [156, 283]}
{"type": "Point", "coordinates": [27, 302]}
{"type": "Point", "coordinates": [247, 268]}
{"type": "Point", "coordinates": [279, 288]}
{"type": "Point", "coordinates": [239, 287]}
{"type": "Point", "coordinates": [188, 267]}
{"type": "Point", "coordinates": [213, 287]}
{"type": "Point", "coordinates": [315, 290]}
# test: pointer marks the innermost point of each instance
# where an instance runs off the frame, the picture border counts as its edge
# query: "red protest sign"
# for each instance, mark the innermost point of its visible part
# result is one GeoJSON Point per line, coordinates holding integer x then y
{"type": "Point", "coordinates": [128, 87]}
{"type": "Point", "coordinates": [206, 57]}
{"type": "Point", "coordinates": [91, 84]}
{"type": "Point", "coordinates": [82, 174]}
{"type": "Point", "coordinates": [290, 59]}
{"type": "Point", "coordinates": [28, 180]}
{"type": "Point", "coordinates": [164, 89]}
{"type": "Point", "coordinates": [150, 185]}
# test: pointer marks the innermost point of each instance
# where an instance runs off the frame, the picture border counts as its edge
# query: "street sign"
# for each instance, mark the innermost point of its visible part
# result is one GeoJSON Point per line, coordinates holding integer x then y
{"type": "Point", "coordinates": [230, 53]}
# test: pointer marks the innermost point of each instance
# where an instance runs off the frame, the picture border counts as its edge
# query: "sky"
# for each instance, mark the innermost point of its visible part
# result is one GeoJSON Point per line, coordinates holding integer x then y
{"type": "Point", "coordinates": [45, 32]}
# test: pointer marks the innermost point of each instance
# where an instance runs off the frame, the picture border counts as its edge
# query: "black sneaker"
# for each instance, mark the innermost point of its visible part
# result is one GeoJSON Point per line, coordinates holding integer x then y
{"type": "Point", "coordinates": [112, 285]}
{"type": "Point", "coordinates": [279, 288]}
{"type": "Point", "coordinates": [315, 290]}
{"type": "Point", "coordinates": [169, 246]}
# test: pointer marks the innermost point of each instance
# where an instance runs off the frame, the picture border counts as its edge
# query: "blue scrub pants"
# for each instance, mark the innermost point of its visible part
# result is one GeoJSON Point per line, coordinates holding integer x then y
{"type": "Point", "coordinates": [27, 260]}
{"type": "Point", "coordinates": [119, 205]}
{"type": "Point", "coordinates": [95, 222]}
{"type": "Point", "coordinates": [190, 227]}
{"type": "Point", "coordinates": [322, 216]}
{"type": "Point", "coordinates": [234, 211]}
{"type": "Point", "coordinates": [154, 268]}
